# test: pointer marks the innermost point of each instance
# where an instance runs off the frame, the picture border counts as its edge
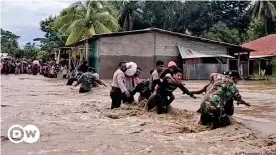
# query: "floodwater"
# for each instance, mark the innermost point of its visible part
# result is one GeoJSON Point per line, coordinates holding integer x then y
{"type": "Point", "coordinates": [73, 123]}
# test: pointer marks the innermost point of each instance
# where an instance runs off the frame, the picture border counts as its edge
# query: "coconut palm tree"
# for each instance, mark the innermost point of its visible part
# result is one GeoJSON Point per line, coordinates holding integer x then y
{"type": "Point", "coordinates": [264, 9]}
{"type": "Point", "coordinates": [86, 19]}
{"type": "Point", "coordinates": [129, 12]}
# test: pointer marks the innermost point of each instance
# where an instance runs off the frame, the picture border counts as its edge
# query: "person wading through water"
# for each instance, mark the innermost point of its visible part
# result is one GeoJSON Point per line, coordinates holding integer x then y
{"type": "Point", "coordinates": [86, 80]}
{"type": "Point", "coordinates": [229, 106]}
{"type": "Point", "coordinates": [167, 72]}
{"type": "Point", "coordinates": [119, 90]}
{"type": "Point", "coordinates": [159, 69]}
{"type": "Point", "coordinates": [214, 105]}
{"type": "Point", "coordinates": [166, 86]}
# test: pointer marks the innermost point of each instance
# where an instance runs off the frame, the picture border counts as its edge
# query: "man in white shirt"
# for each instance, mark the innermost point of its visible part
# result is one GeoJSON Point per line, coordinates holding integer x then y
{"type": "Point", "coordinates": [119, 89]}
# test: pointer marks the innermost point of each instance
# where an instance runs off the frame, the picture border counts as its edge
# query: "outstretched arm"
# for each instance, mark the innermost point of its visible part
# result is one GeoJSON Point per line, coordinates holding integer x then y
{"type": "Point", "coordinates": [99, 82]}
{"type": "Point", "coordinates": [237, 96]}
{"type": "Point", "coordinates": [79, 81]}
{"type": "Point", "coordinates": [202, 90]}
{"type": "Point", "coordinates": [181, 86]}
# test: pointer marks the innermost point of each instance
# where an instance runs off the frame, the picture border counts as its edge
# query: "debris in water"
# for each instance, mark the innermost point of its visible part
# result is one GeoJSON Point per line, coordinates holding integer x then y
{"type": "Point", "coordinates": [2, 105]}
{"type": "Point", "coordinates": [113, 116]}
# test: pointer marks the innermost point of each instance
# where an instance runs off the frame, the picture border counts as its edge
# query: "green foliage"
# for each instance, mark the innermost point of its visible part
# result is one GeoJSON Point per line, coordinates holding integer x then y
{"type": "Point", "coordinates": [52, 39]}
{"type": "Point", "coordinates": [9, 43]}
{"type": "Point", "coordinates": [43, 55]}
{"type": "Point", "coordinates": [131, 12]}
{"type": "Point", "coordinates": [221, 32]}
{"type": "Point", "coordinates": [265, 10]}
{"type": "Point", "coordinates": [255, 30]}
{"type": "Point", "coordinates": [227, 21]}
{"type": "Point", "coordinates": [30, 50]}
{"type": "Point", "coordinates": [86, 19]}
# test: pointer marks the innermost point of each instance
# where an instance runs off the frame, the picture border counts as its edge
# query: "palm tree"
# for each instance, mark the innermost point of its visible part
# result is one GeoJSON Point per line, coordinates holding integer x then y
{"type": "Point", "coordinates": [83, 20]}
{"type": "Point", "coordinates": [264, 9]}
{"type": "Point", "coordinates": [129, 12]}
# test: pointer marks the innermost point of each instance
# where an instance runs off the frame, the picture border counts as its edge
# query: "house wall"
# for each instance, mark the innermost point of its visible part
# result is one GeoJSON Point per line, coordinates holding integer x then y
{"type": "Point", "coordinates": [138, 48]}
{"type": "Point", "coordinates": [167, 50]}
{"type": "Point", "coordinates": [202, 71]}
{"type": "Point", "coordinates": [145, 49]}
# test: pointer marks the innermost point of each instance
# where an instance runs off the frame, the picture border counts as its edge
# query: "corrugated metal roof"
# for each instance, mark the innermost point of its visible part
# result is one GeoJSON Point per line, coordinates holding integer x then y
{"type": "Point", "coordinates": [263, 46]}
{"type": "Point", "coordinates": [259, 56]}
{"type": "Point", "coordinates": [187, 53]}
{"type": "Point", "coordinates": [159, 31]}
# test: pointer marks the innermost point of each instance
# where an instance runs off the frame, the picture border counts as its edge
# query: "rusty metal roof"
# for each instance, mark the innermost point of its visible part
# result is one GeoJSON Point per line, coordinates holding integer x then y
{"type": "Point", "coordinates": [262, 46]}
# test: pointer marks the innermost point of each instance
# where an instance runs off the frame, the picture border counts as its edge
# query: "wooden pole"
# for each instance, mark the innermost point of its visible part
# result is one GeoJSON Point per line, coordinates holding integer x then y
{"type": "Point", "coordinates": [259, 67]}
{"type": "Point", "coordinates": [86, 50]}
{"type": "Point", "coordinates": [239, 62]}
{"type": "Point", "coordinates": [69, 61]}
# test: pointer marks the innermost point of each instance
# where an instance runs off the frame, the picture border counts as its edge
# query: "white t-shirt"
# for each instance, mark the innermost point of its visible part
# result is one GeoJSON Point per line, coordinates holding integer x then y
{"type": "Point", "coordinates": [64, 70]}
{"type": "Point", "coordinates": [96, 75]}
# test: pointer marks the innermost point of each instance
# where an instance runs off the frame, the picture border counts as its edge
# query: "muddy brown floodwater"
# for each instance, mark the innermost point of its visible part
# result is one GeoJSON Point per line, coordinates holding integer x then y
{"type": "Point", "coordinates": [73, 123]}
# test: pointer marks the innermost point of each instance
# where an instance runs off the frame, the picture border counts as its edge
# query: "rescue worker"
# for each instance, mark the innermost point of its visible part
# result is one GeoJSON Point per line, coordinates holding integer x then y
{"type": "Point", "coordinates": [119, 89]}
{"type": "Point", "coordinates": [86, 81]}
{"type": "Point", "coordinates": [213, 106]}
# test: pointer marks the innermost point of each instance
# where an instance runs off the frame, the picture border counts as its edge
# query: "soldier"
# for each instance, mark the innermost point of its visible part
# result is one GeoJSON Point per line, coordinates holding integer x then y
{"type": "Point", "coordinates": [213, 106]}
{"type": "Point", "coordinates": [86, 81]}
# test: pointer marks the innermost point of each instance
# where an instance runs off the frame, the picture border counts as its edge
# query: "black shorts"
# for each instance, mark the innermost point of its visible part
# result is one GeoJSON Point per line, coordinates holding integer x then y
{"type": "Point", "coordinates": [81, 90]}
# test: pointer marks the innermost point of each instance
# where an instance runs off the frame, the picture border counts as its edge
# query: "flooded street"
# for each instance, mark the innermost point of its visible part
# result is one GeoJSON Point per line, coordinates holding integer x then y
{"type": "Point", "coordinates": [73, 123]}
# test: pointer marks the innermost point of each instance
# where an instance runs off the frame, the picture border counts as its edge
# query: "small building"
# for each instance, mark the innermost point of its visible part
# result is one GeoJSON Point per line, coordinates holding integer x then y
{"type": "Point", "coordinates": [198, 57]}
{"type": "Point", "coordinates": [4, 55]}
{"type": "Point", "coordinates": [264, 56]}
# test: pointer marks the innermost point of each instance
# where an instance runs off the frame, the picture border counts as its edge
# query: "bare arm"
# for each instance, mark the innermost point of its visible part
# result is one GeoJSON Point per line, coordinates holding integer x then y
{"type": "Point", "coordinates": [202, 90]}
{"type": "Point", "coordinates": [79, 81]}
{"type": "Point", "coordinates": [237, 96]}
{"type": "Point", "coordinates": [181, 86]}
{"type": "Point", "coordinates": [99, 82]}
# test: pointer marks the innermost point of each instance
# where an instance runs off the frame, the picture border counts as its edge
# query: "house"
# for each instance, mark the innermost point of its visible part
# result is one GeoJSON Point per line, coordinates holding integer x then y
{"type": "Point", "coordinates": [197, 56]}
{"type": "Point", "coordinates": [4, 55]}
{"type": "Point", "coordinates": [264, 56]}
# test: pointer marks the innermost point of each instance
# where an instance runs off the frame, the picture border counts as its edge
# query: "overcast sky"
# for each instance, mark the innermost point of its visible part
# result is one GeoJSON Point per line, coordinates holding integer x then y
{"type": "Point", "coordinates": [22, 17]}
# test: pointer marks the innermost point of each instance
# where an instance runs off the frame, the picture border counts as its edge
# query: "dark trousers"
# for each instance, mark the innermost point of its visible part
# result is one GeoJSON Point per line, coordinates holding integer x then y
{"type": "Point", "coordinates": [81, 90]}
{"type": "Point", "coordinates": [128, 100]}
{"type": "Point", "coordinates": [116, 97]}
{"type": "Point", "coordinates": [218, 119]}
{"type": "Point", "coordinates": [71, 81]}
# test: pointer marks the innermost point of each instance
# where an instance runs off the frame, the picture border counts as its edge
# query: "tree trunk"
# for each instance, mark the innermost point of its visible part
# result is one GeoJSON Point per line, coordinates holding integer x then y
{"type": "Point", "coordinates": [265, 26]}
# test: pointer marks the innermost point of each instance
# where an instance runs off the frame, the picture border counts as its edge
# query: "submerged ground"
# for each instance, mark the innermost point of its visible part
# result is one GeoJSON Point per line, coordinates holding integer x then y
{"type": "Point", "coordinates": [73, 123]}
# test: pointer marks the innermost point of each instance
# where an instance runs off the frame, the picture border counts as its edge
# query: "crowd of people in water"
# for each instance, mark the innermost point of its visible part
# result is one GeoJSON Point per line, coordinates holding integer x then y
{"type": "Point", "coordinates": [32, 66]}
{"type": "Point", "coordinates": [156, 92]}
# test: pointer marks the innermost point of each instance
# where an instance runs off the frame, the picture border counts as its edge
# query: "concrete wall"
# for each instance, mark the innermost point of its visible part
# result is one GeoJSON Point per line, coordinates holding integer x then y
{"type": "Point", "coordinates": [138, 48]}
{"type": "Point", "coordinates": [166, 48]}
{"type": "Point", "coordinates": [145, 49]}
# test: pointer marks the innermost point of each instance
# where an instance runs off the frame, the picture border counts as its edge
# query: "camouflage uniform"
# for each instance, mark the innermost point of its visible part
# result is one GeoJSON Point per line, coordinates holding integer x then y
{"type": "Point", "coordinates": [219, 92]}
{"type": "Point", "coordinates": [86, 81]}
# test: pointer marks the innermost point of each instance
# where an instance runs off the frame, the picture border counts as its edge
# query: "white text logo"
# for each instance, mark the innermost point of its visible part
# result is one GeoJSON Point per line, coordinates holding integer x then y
{"type": "Point", "coordinates": [28, 134]}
